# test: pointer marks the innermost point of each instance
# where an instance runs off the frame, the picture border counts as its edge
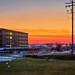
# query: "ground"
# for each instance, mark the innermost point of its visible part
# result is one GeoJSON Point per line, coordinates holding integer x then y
{"type": "Point", "coordinates": [31, 66]}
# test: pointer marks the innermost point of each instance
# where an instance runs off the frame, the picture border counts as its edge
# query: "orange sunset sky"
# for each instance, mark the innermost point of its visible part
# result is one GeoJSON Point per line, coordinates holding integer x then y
{"type": "Point", "coordinates": [46, 21]}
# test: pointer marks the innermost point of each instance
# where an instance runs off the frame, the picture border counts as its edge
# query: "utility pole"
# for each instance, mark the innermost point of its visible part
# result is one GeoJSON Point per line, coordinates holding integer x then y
{"type": "Point", "coordinates": [68, 5]}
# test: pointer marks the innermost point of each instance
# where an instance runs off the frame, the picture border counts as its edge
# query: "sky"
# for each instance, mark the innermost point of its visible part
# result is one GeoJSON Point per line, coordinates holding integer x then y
{"type": "Point", "coordinates": [46, 21]}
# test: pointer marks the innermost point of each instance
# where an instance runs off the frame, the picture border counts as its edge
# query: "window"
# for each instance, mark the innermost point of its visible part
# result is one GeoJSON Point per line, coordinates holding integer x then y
{"type": "Point", "coordinates": [10, 33]}
{"type": "Point", "coordinates": [7, 36]}
{"type": "Point", "coordinates": [10, 37]}
{"type": "Point", "coordinates": [10, 45]}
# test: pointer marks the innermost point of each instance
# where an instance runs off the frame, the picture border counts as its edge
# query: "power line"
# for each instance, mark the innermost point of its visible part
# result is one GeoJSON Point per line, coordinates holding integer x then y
{"type": "Point", "coordinates": [71, 5]}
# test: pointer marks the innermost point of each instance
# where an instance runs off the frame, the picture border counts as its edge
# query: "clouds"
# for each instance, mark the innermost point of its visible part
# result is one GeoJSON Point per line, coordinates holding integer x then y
{"type": "Point", "coordinates": [40, 18]}
{"type": "Point", "coordinates": [45, 32]}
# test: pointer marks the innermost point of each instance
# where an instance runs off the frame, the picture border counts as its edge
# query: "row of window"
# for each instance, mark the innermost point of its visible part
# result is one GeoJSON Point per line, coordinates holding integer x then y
{"type": "Point", "coordinates": [23, 35]}
{"type": "Point", "coordinates": [23, 38]}
{"type": "Point", "coordinates": [15, 37]}
{"type": "Point", "coordinates": [9, 45]}
{"type": "Point", "coordinates": [8, 33]}
{"type": "Point", "coordinates": [14, 33]}
{"type": "Point", "coordinates": [22, 41]}
{"type": "Point", "coordinates": [23, 45]}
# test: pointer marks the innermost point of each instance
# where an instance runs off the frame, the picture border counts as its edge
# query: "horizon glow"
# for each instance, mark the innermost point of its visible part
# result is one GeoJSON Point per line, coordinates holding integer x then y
{"type": "Point", "coordinates": [45, 20]}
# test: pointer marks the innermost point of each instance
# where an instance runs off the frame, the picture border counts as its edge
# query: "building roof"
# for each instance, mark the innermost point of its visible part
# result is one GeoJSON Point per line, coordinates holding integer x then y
{"type": "Point", "coordinates": [13, 30]}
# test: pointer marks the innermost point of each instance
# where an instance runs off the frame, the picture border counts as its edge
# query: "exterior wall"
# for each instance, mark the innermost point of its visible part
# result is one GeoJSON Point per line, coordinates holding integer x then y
{"type": "Point", "coordinates": [0, 38]}
{"type": "Point", "coordinates": [12, 38]}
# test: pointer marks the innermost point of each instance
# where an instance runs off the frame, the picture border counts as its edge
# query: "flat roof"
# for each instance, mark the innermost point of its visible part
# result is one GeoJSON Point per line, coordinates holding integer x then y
{"type": "Point", "coordinates": [13, 30]}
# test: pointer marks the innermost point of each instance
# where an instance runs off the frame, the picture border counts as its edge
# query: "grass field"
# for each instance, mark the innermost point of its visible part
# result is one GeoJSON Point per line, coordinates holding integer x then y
{"type": "Point", "coordinates": [30, 66]}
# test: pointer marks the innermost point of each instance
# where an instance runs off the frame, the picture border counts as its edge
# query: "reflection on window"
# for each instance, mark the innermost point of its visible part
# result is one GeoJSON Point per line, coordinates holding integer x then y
{"type": "Point", "coordinates": [9, 45]}
{"type": "Point", "coordinates": [23, 45]}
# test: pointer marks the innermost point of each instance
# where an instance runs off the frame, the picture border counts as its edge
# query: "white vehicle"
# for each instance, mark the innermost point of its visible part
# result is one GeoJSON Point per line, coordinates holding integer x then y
{"type": "Point", "coordinates": [6, 58]}
{"type": "Point", "coordinates": [66, 52]}
{"type": "Point", "coordinates": [17, 55]}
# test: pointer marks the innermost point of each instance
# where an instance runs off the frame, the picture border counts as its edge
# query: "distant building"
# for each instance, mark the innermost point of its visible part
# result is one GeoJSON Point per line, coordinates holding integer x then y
{"type": "Point", "coordinates": [10, 38]}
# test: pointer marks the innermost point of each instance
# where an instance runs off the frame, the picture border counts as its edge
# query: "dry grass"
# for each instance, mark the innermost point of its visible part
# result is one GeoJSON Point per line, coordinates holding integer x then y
{"type": "Point", "coordinates": [30, 66]}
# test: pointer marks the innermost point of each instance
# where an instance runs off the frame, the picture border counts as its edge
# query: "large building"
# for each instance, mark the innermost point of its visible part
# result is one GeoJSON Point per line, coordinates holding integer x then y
{"type": "Point", "coordinates": [11, 38]}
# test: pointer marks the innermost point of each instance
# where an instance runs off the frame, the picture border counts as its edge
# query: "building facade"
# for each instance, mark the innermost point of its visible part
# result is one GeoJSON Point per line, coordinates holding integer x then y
{"type": "Point", "coordinates": [10, 38]}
